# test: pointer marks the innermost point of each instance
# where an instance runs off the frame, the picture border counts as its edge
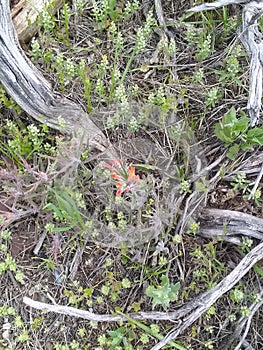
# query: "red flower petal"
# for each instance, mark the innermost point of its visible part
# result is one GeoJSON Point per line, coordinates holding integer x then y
{"type": "Point", "coordinates": [131, 174]}
{"type": "Point", "coordinates": [106, 165]}
{"type": "Point", "coordinates": [115, 176]}
{"type": "Point", "coordinates": [119, 192]}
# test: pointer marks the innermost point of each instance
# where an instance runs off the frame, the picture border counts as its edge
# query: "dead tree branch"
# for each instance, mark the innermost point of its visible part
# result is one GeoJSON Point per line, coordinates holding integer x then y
{"type": "Point", "coordinates": [230, 225]}
{"type": "Point", "coordinates": [185, 315]}
{"type": "Point", "coordinates": [33, 93]}
{"type": "Point", "coordinates": [252, 40]}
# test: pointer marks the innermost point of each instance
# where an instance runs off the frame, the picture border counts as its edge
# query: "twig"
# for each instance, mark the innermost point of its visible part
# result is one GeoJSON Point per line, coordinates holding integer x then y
{"type": "Point", "coordinates": [228, 223]}
{"type": "Point", "coordinates": [160, 17]}
{"type": "Point", "coordinates": [207, 299]}
{"type": "Point", "coordinates": [216, 5]}
{"type": "Point", "coordinates": [251, 39]}
{"type": "Point", "coordinates": [243, 321]}
{"type": "Point", "coordinates": [253, 191]}
{"type": "Point", "coordinates": [184, 316]}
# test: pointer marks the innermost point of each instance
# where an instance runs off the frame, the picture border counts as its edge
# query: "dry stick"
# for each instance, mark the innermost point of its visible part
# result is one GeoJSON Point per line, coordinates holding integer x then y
{"type": "Point", "coordinates": [185, 315]}
{"type": "Point", "coordinates": [243, 321]}
{"type": "Point", "coordinates": [251, 39]}
{"type": "Point", "coordinates": [33, 93]}
{"type": "Point", "coordinates": [247, 345]}
{"type": "Point", "coordinates": [213, 224]}
{"type": "Point", "coordinates": [206, 300]}
{"type": "Point", "coordinates": [216, 5]}
{"type": "Point", "coordinates": [160, 17]}
{"type": "Point", "coordinates": [254, 189]}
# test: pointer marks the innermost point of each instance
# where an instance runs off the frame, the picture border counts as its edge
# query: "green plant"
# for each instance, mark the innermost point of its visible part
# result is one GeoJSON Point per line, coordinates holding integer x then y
{"type": "Point", "coordinates": [204, 48]}
{"type": "Point", "coordinates": [119, 336]}
{"type": "Point", "coordinates": [65, 69]}
{"type": "Point", "coordinates": [46, 19]}
{"type": "Point", "coordinates": [153, 330]}
{"type": "Point", "coordinates": [142, 36]}
{"type": "Point", "coordinates": [230, 128]}
{"type": "Point", "coordinates": [107, 11]}
{"type": "Point", "coordinates": [8, 102]}
{"type": "Point", "coordinates": [231, 68]}
{"type": "Point", "coordinates": [236, 133]}
{"type": "Point", "coordinates": [26, 140]}
{"type": "Point", "coordinates": [212, 97]}
{"type": "Point", "coordinates": [208, 267]}
{"type": "Point", "coordinates": [237, 295]}
{"type": "Point", "coordinates": [87, 85]}
{"type": "Point", "coordinates": [245, 311]}
{"type": "Point", "coordinates": [194, 228]}
{"type": "Point", "coordinates": [66, 14]}
{"type": "Point", "coordinates": [240, 181]}
{"type": "Point", "coordinates": [164, 293]}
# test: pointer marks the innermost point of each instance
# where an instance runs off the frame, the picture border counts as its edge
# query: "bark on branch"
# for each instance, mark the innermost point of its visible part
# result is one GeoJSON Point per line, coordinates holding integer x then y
{"type": "Point", "coordinates": [252, 40]}
{"type": "Point", "coordinates": [33, 93]}
{"type": "Point", "coordinates": [230, 225]}
{"type": "Point", "coordinates": [185, 315]}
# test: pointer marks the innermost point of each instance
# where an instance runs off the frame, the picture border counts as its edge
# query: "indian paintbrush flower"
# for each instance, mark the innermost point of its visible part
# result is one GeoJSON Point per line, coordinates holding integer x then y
{"type": "Point", "coordinates": [125, 177]}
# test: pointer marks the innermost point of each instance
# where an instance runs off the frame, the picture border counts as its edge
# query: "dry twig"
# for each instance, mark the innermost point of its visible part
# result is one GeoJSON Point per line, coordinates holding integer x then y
{"type": "Point", "coordinates": [243, 322]}
{"type": "Point", "coordinates": [252, 41]}
{"type": "Point", "coordinates": [185, 315]}
{"type": "Point", "coordinates": [230, 225]}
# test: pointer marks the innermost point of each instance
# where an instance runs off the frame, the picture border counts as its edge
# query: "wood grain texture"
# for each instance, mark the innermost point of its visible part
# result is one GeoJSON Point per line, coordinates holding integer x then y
{"type": "Point", "coordinates": [252, 40]}
{"type": "Point", "coordinates": [34, 94]}
{"type": "Point", "coordinates": [24, 15]}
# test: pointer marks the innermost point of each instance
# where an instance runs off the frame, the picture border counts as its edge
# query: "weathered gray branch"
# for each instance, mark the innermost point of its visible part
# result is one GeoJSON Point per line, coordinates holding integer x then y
{"type": "Point", "coordinates": [185, 315]}
{"type": "Point", "coordinates": [207, 299]}
{"type": "Point", "coordinates": [34, 94]}
{"type": "Point", "coordinates": [252, 40]}
{"type": "Point", "coordinates": [230, 225]}
{"type": "Point", "coordinates": [216, 5]}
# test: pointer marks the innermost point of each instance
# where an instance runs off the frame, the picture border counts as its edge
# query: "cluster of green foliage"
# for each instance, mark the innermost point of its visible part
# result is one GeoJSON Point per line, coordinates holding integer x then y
{"type": "Point", "coordinates": [236, 133]}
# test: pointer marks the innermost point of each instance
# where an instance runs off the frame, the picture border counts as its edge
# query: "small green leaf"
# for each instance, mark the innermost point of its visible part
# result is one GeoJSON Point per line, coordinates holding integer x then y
{"type": "Point", "coordinates": [232, 152]}
{"type": "Point", "coordinates": [164, 293]}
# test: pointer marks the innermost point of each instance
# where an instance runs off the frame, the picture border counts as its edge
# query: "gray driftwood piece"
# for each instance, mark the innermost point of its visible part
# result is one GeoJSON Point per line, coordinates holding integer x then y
{"type": "Point", "coordinates": [252, 40]}
{"type": "Point", "coordinates": [230, 225]}
{"type": "Point", "coordinates": [184, 316]}
{"type": "Point", "coordinates": [34, 94]}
